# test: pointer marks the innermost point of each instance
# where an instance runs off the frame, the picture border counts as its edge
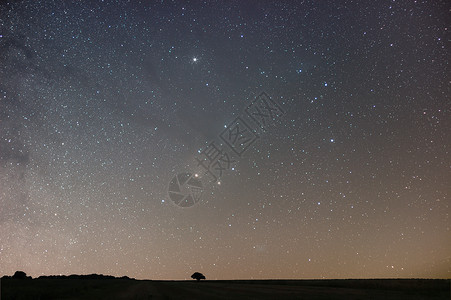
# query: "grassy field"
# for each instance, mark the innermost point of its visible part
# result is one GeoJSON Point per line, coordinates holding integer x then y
{"type": "Point", "coordinates": [82, 288]}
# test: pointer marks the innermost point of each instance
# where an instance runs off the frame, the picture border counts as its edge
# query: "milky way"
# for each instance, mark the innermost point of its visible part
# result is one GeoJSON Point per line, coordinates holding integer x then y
{"type": "Point", "coordinates": [102, 103]}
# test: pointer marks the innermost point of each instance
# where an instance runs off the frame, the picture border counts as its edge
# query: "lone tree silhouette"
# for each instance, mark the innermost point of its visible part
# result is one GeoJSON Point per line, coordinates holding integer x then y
{"type": "Point", "coordinates": [198, 276]}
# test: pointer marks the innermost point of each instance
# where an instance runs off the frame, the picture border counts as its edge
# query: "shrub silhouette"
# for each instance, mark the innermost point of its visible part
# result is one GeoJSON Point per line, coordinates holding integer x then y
{"type": "Point", "coordinates": [20, 275]}
{"type": "Point", "coordinates": [198, 276]}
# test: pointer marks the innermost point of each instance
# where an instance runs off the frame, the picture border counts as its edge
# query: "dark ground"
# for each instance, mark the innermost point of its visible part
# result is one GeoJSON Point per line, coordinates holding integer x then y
{"type": "Point", "coordinates": [84, 288]}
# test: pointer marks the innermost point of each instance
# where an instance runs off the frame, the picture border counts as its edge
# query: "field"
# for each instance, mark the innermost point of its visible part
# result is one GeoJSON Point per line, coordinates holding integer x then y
{"type": "Point", "coordinates": [87, 288]}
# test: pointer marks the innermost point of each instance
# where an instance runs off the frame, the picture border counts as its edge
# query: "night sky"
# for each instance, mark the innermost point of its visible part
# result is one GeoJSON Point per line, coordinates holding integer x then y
{"type": "Point", "coordinates": [116, 116]}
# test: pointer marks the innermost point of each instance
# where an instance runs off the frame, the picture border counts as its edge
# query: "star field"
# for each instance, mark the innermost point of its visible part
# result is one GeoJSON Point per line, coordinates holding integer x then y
{"type": "Point", "coordinates": [102, 103]}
